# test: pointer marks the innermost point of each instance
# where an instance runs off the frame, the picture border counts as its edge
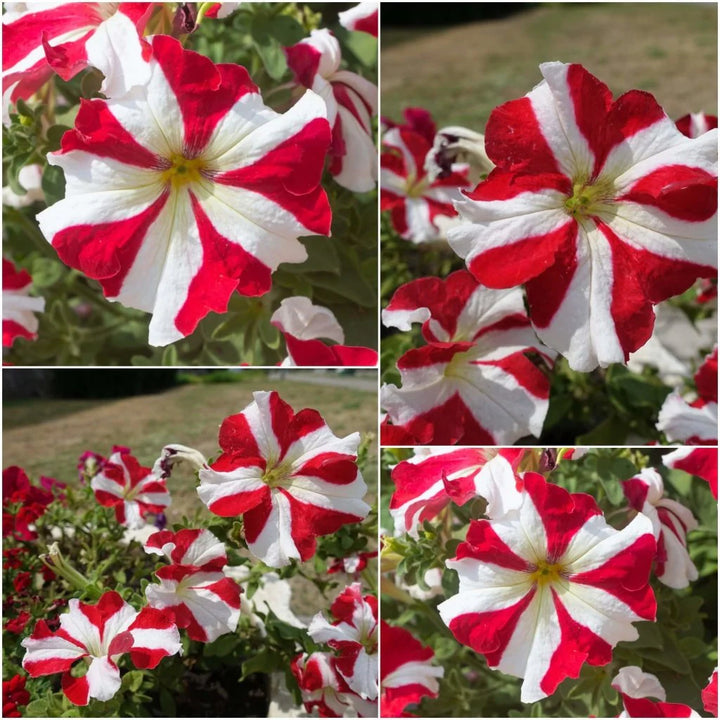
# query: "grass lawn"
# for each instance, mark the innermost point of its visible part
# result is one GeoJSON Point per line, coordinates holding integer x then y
{"type": "Point", "coordinates": [461, 73]}
{"type": "Point", "coordinates": [47, 436]}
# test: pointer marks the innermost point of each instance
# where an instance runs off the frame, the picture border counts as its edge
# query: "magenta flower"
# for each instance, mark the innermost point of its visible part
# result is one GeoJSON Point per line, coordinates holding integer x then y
{"type": "Point", "coordinates": [303, 324]}
{"type": "Point", "coordinates": [188, 189]}
{"type": "Point", "coordinates": [100, 633]}
{"type": "Point", "coordinates": [131, 489]}
{"type": "Point", "coordinates": [702, 462]}
{"type": "Point", "coordinates": [601, 208]}
{"type": "Point", "coordinates": [18, 306]}
{"type": "Point", "coordinates": [361, 18]}
{"type": "Point", "coordinates": [351, 102]}
{"type": "Point", "coordinates": [547, 585]}
{"type": "Point", "coordinates": [289, 477]}
{"type": "Point", "coordinates": [407, 673]}
{"type": "Point", "coordinates": [194, 588]}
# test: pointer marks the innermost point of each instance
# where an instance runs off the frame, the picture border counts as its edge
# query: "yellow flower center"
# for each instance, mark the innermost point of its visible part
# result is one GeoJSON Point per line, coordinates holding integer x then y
{"type": "Point", "coordinates": [546, 573]}
{"type": "Point", "coordinates": [276, 475]}
{"type": "Point", "coordinates": [183, 170]}
{"type": "Point", "coordinates": [588, 199]}
{"type": "Point", "coordinates": [415, 188]}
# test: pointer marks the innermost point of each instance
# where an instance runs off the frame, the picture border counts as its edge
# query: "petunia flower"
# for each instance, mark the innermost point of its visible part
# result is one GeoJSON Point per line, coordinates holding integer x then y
{"type": "Point", "coordinates": [695, 124]}
{"type": "Point", "coordinates": [473, 384]}
{"type": "Point", "coordinates": [40, 39]}
{"type": "Point", "coordinates": [194, 588]}
{"type": "Point", "coordinates": [14, 695]}
{"type": "Point", "coordinates": [303, 324]}
{"type": "Point", "coordinates": [188, 189]}
{"type": "Point", "coordinates": [694, 422]}
{"type": "Point", "coordinates": [549, 585]}
{"type": "Point", "coordinates": [99, 633]}
{"type": "Point", "coordinates": [353, 635]}
{"type": "Point", "coordinates": [131, 489]}
{"type": "Point", "coordinates": [699, 461]}
{"type": "Point", "coordinates": [322, 687]}
{"type": "Point", "coordinates": [18, 307]}
{"type": "Point", "coordinates": [710, 694]}
{"type": "Point", "coordinates": [418, 204]}
{"type": "Point", "coordinates": [407, 673]}
{"type": "Point", "coordinates": [427, 483]}
{"type": "Point", "coordinates": [351, 103]}
{"type": "Point", "coordinates": [363, 17]}
{"type": "Point", "coordinates": [289, 477]}
{"type": "Point", "coordinates": [600, 208]}
{"type": "Point", "coordinates": [636, 686]}
{"type": "Point", "coordinates": [671, 522]}
{"type": "Point", "coordinates": [30, 178]}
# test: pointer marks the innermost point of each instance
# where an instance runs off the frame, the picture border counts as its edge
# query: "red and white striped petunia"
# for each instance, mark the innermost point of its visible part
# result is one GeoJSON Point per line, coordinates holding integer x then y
{"type": "Point", "coordinates": [131, 489]}
{"type": "Point", "coordinates": [361, 18]}
{"type": "Point", "coordinates": [474, 383]}
{"type": "Point", "coordinates": [407, 673]}
{"type": "Point", "coordinates": [302, 324]}
{"type": "Point", "coordinates": [322, 687]}
{"type": "Point", "coordinates": [40, 39]}
{"type": "Point", "coordinates": [351, 104]}
{"type": "Point", "coordinates": [428, 482]}
{"type": "Point", "coordinates": [695, 124]}
{"type": "Point", "coordinates": [550, 585]}
{"type": "Point", "coordinates": [289, 477]}
{"type": "Point", "coordinates": [710, 694]}
{"type": "Point", "coordinates": [99, 633]}
{"type": "Point", "coordinates": [671, 522]}
{"type": "Point", "coordinates": [353, 634]}
{"type": "Point", "coordinates": [188, 189]}
{"type": "Point", "coordinates": [18, 306]}
{"type": "Point", "coordinates": [636, 686]}
{"type": "Point", "coordinates": [600, 208]}
{"type": "Point", "coordinates": [699, 461]}
{"type": "Point", "coordinates": [418, 204]}
{"type": "Point", "coordinates": [694, 422]}
{"type": "Point", "coordinates": [194, 588]}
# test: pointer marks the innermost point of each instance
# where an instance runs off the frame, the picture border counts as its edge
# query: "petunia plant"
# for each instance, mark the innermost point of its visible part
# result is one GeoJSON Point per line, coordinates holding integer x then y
{"type": "Point", "coordinates": [111, 610]}
{"type": "Point", "coordinates": [174, 171]}
{"type": "Point", "coordinates": [533, 578]}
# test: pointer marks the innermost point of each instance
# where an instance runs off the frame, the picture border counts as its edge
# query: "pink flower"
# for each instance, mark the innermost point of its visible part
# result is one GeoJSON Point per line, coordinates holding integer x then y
{"type": "Point", "coordinates": [131, 489]}
{"type": "Point", "coordinates": [427, 483]}
{"type": "Point", "coordinates": [710, 694]}
{"type": "Point", "coordinates": [174, 215]}
{"type": "Point", "coordinates": [671, 522]}
{"type": "Point", "coordinates": [694, 422]}
{"type": "Point", "coordinates": [67, 37]}
{"type": "Point", "coordinates": [474, 383]}
{"type": "Point", "coordinates": [289, 476]}
{"type": "Point", "coordinates": [322, 687]}
{"type": "Point", "coordinates": [101, 633]}
{"type": "Point", "coordinates": [19, 307]}
{"type": "Point", "coordinates": [418, 204]}
{"type": "Point", "coordinates": [361, 18]}
{"type": "Point", "coordinates": [702, 462]}
{"type": "Point", "coordinates": [635, 686]}
{"type": "Point", "coordinates": [547, 585]}
{"type": "Point", "coordinates": [695, 124]}
{"type": "Point", "coordinates": [353, 635]}
{"type": "Point", "coordinates": [406, 671]}
{"type": "Point", "coordinates": [194, 587]}
{"type": "Point", "coordinates": [351, 102]}
{"type": "Point", "coordinates": [302, 324]}
{"type": "Point", "coordinates": [602, 209]}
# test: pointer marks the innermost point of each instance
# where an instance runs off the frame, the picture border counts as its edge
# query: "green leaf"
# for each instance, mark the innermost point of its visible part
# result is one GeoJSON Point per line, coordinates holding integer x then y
{"type": "Point", "coordinates": [53, 184]}
{"type": "Point", "coordinates": [222, 646]}
{"type": "Point", "coordinates": [362, 45]}
{"type": "Point", "coordinates": [133, 680]}
{"type": "Point", "coordinates": [322, 257]}
{"type": "Point", "coordinates": [54, 137]}
{"type": "Point", "coordinates": [265, 661]}
{"type": "Point", "coordinates": [269, 35]}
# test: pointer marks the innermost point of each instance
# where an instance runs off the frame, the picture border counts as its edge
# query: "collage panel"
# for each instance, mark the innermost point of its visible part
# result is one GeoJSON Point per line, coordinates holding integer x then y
{"type": "Point", "coordinates": [189, 184]}
{"type": "Point", "coordinates": [549, 236]}
{"type": "Point", "coordinates": [566, 582]}
{"type": "Point", "coordinates": [195, 543]}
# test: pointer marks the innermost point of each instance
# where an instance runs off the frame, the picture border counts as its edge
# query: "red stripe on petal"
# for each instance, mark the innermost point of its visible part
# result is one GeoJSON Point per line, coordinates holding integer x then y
{"type": "Point", "coordinates": [226, 267]}
{"type": "Point", "coordinates": [527, 374]}
{"type": "Point", "coordinates": [256, 517]}
{"type": "Point", "coordinates": [289, 175]}
{"type": "Point", "coordinates": [303, 423]}
{"type": "Point", "coordinates": [236, 438]}
{"type": "Point", "coordinates": [335, 468]}
{"type": "Point", "coordinates": [436, 354]}
{"type": "Point", "coordinates": [12, 330]}
{"type": "Point", "coordinates": [12, 278]}
{"type": "Point", "coordinates": [303, 60]}
{"type": "Point", "coordinates": [483, 543]}
{"type": "Point", "coordinates": [77, 690]}
{"type": "Point", "coordinates": [106, 251]}
{"type": "Point", "coordinates": [682, 192]}
{"type": "Point", "coordinates": [645, 708]}
{"type": "Point", "coordinates": [205, 92]}
{"type": "Point", "coordinates": [636, 492]}
{"type": "Point", "coordinates": [98, 132]}
{"type": "Point", "coordinates": [243, 503]}
{"type": "Point", "coordinates": [354, 355]}
{"type": "Point", "coordinates": [578, 645]}
{"type": "Point", "coordinates": [706, 379]}
{"type": "Point", "coordinates": [490, 632]}
{"type": "Point", "coordinates": [399, 647]}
